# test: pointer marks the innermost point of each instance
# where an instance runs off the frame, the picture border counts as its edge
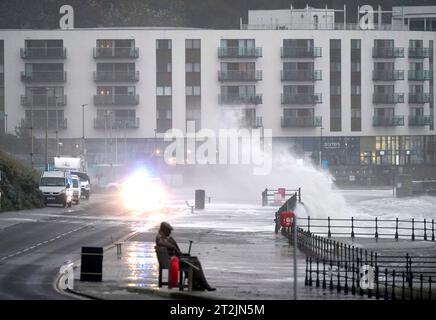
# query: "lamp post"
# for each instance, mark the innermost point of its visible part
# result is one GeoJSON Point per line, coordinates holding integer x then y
{"type": "Point", "coordinates": [320, 148]}
{"type": "Point", "coordinates": [46, 130]}
{"type": "Point", "coordinates": [83, 129]}
{"type": "Point", "coordinates": [31, 128]}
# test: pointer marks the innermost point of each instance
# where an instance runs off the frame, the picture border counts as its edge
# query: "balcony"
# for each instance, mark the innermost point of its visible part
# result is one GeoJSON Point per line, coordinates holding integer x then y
{"type": "Point", "coordinates": [288, 122]}
{"type": "Point", "coordinates": [388, 53]}
{"type": "Point", "coordinates": [42, 100]}
{"type": "Point", "coordinates": [40, 123]}
{"type": "Point", "coordinates": [420, 75]}
{"type": "Point", "coordinates": [420, 53]}
{"type": "Point", "coordinates": [387, 75]}
{"type": "Point", "coordinates": [239, 99]}
{"type": "Point", "coordinates": [239, 52]}
{"type": "Point", "coordinates": [252, 122]}
{"type": "Point", "coordinates": [117, 100]}
{"type": "Point", "coordinates": [419, 98]}
{"type": "Point", "coordinates": [116, 76]}
{"type": "Point", "coordinates": [302, 98]}
{"type": "Point", "coordinates": [116, 123]}
{"type": "Point", "coordinates": [44, 76]}
{"type": "Point", "coordinates": [43, 53]}
{"type": "Point", "coordinates": [387, 98]}
{"type": "Point", "coordinates": [116, 53]}
{"type": "Point", "coordinates": [301, 52]}
{"type": "Point", "coordinates": [253, 75]}
{"type": "Point", "coordinates": [388, 121]}
{"type": "Point", "coordinates": [301, 75]}
{"type": "Point", "coordinates": [420, 120]}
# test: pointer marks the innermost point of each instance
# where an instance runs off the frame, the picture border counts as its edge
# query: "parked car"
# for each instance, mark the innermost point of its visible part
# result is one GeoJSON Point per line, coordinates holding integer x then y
{"type": "Point", "coordinates": [57, 187]}
{"type": "Point", "coordinates": [85, 183]}
{"type": "Point", "coordinates": [76, 188]}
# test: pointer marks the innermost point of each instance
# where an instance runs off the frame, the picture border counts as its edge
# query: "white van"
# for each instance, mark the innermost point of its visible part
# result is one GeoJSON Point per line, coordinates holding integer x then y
{"type": "Point", "coordinates": [85, 183]}
{"type": "Point", "coordinates": [76, 188]}
{"type": "Point", "coordinates": [56, 187]}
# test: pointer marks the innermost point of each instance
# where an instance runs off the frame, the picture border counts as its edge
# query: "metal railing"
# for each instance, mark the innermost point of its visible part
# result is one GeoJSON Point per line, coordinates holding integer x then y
{"type": "Point", "coordinates": [301, 52]}
{"type": "Point", "coordinates": [117, 123]}
{"type": "Point", "coordinates": [239, 52]}
{"type": "Point", "coordinates": [420, 98]}
{"type": "Point", "coordinates": [387, 75]}
{"type": "Point", "coordinates": [420, 75]}
{"type": "Point", "coordinates": [44, 76]}
{"type": "Point", "coordinates": [420, 53]}
{"type": "Point", "coordinates": [42, 100]}
{"type": "Point", "coordinates": [117, 52]}
{"type": "Point", "coordinates": [116, 99]}
{"type": "Point", "coordinates": [388, 121]}
{"type": "Point", "coordinates": [301, 75]}
{"type": "Point", "coordinates": [322, 26]}
{"type": "Point", "coordinates": [302, 98]}
{"type": "Point", "coordinates": [387, 98]}
{"type": "Point", "coordinates": [116, 76]}
{"type": "Point", "coordinates": [420, 120]}
{"type": "Point", "coordinates": [239, 99]}
{"type": "Point", "coordinates": [387, 52]}
{"type": "Point", "coordinates": [234, 75]}
{"type": "Point", "coordinates": [268, 193]}
{"type": "Point", "coordinates": [43, 53]}
{"type": "Point", "coordinates": [288, 122]}
{"type": "Point", "coordinates": [41, 122]}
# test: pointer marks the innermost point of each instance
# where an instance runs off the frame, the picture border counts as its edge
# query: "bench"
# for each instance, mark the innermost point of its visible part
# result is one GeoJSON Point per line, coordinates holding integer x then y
{"type": "Point", "coordinates": [184, 266]}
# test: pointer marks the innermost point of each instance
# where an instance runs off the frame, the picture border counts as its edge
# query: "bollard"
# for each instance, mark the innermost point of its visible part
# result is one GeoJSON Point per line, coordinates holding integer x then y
{"type": "Point", "coordinates": [425, 229]}
{"type": "Point", "coordinates": [199, 199]}
{"type": "Point", "coordinates": [353, 286]}
{"type": "Point", "coordinates": [386, 295]}
{"type": "Point", "coordinates": [310, 271]}
{"type": "Point", "coordinates": [377, 286]}
{"type": "Point", "coordinates": [346, 279]}
{"type": "Point", "coordinates": [393, 285]}
{"type": "Point", "coordinates": [352, 228]}
{"type": "Point", "coordinates": [324, 284]}
{"type": "Point", "coordinates": [317, 273]}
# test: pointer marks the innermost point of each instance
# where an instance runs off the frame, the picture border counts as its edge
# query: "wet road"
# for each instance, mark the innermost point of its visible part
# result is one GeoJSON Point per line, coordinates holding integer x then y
{"type": "Point", "coordinates": [35, 243]}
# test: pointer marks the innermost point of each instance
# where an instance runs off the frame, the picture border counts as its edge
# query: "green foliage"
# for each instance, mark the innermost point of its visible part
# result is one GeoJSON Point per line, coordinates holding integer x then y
{"type": "Point", "coordinates": [18, 185]}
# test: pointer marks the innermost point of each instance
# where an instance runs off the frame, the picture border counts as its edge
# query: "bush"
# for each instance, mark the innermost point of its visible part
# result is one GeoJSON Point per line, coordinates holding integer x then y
{"type": "Point", "coordinates": [18, 185]}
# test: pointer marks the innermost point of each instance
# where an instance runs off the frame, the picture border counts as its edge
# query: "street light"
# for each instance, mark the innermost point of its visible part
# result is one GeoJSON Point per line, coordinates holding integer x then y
{"type": "Point", "coordinates": [83, 128]}
{"type": "Point", "coordinates": [320, 148]}
{"type": "Point", "coordinates": [46, 130]}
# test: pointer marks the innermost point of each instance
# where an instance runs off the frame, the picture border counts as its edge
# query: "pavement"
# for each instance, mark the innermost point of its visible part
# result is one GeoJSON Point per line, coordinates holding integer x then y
{"type": "Point", "coordinates": [242, 269]}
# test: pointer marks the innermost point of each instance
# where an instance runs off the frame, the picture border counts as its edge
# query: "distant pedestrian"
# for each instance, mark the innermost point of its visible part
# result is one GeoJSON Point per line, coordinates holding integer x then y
{"type": "Point", "coordinates": [163, 239]}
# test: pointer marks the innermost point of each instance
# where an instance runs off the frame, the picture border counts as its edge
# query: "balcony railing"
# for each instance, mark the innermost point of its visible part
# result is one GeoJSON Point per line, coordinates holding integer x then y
{"type": "Point", "coordinates": [302, 98]}
{"type": "Point", "coordinates": [388, 52]}
{"type": "Point", "coordinates": [239, 99]}
{"type": "Point", "coordinates": [116, 76]}
{"type": "Point", "coordinates": [420, 75]}
{"type": "Point", "coordinates": [117, 53]}
{"type": "Point", "coordinates": [420, 53]}
{"type": "Point", "coordinates": [301, 75]}
{"type": "Point", "coordinates": [44, 76]}
{"type": "Point", "coordinates": [288, 122]}
{"type": "Point", "coordinates": [388, 98]}
{"type": "Point", "coordinates": [253, 75]}
{"type": "Point", "coordinates": [252, 122]}
{"type": "Point", "coordinates": [43, 53]}
{"type": "Point", "coordinates": [117, 100]}
{"type": "Point", "coordinates": [301, 52]}
{"type": "Point", "coordinates": [388, 121]}
{"type": "Point", "coordinates": [41, 122]}
{"type": "Point", "coordinates": [40, 100]}
{"type": "Point", "coordinates": [163, 125]}
{"type": "Point", "coordinates": [116, 123]}
{"type": "Point", "coordinates": [387, 75]}
{"type": "Point", "coordinates": [239, 52]}
{"type": "Point", "coordinates": [419, 98]}
{"type": "Point", "coordinates": [420, 120]}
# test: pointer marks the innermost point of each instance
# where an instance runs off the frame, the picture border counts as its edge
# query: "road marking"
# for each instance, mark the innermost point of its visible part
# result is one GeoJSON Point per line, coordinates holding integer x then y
{"type": "Point", "coordinates": [41, 243]}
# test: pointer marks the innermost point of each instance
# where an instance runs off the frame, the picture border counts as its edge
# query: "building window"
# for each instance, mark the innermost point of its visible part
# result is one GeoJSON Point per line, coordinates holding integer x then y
{"type": "Point", "coordinates": [193, 91]}
{"type": "Point", "coordinates": [163, 91]}
{"type": "Point", "coordinates": [193, 67]}
{"type": "Point", "coordinates": [355, 66]}
{"type": "Point", "coordinates": [192, 43]}
{"type": "Point", "coordinates": [355, 43]}
{"type": "Point", "coordinates": [355, 90]}
{"type": "Point", "coordinates": [335, 90]}
{"type": "Point", "coordinates": [163, 44]}
{"type": "Point", "coordinates": [335, 66]}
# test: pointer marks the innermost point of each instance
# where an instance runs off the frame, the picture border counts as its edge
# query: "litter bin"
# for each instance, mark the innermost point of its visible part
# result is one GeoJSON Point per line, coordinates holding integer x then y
{"type": "Point", "coordinates": [91, 268]}
{"type": "Point", "coordinates": [200, 196]}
